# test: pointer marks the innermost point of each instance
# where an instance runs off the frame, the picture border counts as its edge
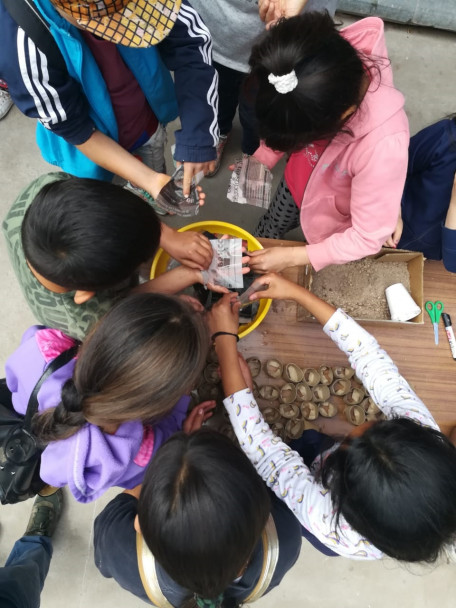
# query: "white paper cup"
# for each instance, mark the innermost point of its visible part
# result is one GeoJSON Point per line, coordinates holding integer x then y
{"type": "Point", "coordinates": [401, 304]}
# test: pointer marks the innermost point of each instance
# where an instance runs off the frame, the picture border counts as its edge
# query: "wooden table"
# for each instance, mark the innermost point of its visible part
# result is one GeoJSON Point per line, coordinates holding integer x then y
{"type": "Point", "coordinates": [430, 369]}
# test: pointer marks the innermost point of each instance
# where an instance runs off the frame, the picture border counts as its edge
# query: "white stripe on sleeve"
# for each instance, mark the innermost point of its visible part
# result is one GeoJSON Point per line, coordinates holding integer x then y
{"type": "Point", "coordinates": [49, 88]}
{"type": "Point", "coordinates": [197, 29]}
{"type": "Point", "coordinates": [37, 85]}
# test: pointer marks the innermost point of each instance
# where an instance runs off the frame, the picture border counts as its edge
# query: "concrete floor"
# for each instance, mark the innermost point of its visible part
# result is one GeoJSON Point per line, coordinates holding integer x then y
{"type": "Point", "coordinates": [423, 61]}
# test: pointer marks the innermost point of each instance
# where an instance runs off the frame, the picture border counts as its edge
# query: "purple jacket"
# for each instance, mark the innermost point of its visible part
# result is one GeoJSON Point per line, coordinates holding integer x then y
{"type": "Point", "coordinates": [89, 461]}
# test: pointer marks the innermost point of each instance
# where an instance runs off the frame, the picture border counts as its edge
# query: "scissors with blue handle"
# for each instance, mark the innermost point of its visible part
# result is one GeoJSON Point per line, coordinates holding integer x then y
{"type": "Point", "coordinates": [434, 310]}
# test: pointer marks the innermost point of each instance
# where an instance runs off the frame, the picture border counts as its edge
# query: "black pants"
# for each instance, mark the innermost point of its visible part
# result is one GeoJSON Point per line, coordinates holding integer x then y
{"type": "Point", "coordinates": [232, 95]}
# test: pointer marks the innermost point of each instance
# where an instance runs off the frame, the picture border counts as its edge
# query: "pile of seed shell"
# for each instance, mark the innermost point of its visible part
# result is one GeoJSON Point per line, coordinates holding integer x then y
{"type": "Point", "coordinates": [293, 395]}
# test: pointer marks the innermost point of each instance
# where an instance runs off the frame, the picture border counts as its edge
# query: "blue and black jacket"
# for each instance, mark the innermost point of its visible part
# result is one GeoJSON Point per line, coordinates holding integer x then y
{"type": "Point", "coordinates": [70, 104]}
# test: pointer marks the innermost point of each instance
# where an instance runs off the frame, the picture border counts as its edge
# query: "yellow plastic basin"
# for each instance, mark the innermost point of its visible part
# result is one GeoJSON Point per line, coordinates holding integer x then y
{"type": "Point", "coordinates": [161, 261]}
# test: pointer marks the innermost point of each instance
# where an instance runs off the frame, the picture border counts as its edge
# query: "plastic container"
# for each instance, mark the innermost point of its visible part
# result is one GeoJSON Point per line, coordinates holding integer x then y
{"type": "Point", "coordinates": [401, 304]}
{"type": "Point", "coordinates": [161, 260]}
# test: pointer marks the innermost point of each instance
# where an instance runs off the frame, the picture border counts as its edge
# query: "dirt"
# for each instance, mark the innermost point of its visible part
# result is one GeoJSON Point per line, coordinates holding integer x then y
{"type": "Point", "coordinates": [359, 287]}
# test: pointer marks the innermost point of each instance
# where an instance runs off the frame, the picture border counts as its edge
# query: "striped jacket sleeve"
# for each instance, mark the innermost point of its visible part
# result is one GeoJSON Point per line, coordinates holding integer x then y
{"type": "Point", "coordinates": [38, 88]}
{"type": "Point", "coordinates": [187, 51]}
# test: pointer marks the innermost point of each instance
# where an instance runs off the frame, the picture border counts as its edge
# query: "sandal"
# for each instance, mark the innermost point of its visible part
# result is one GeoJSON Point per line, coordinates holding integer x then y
{"type": "Point", "coordinates": [273, 368]}
{"type": "Point", "coordinates": [293, 373]}
{"type": "Point", "coordinates": [311, 376]}
{"type": "Point", "coordinates": [211, 373]}
{"type": "Point", "coordinates": [254, 366]}
{"type": "Point", "coordinates": [294, 428]}
{"type": "Point", "coordinates": [288, 393]}
{"type": "Point", "coordinates": [354, 396]}
{"type": "Point", "coordinates": [355, 414]}
{"type": "Point", "coordinates": [320, 393]}
{"type": "Point", "coordinates": [309, 410]}
{"type": "Point", "coordinates": [327, 409]}
{"type": "Point", "coordinates": [271, 414]}
{"type": "Point", "coordinates": [343, 372]}
{"type": "Point", "coordinates": [303, 392]}
{"type": "Point", "coordinates": [268, 392]}
{"type": "Point", "coordinates": [340, 387]}
{"type": "Point", "coordinates": [289, 410]}
{"type": "Point", "coordinates": [326, 374]}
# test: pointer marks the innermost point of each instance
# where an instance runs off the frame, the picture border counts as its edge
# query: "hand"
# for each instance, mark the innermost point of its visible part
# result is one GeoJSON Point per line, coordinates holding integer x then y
{"type": "Point", "coordinates": [189, 248]}
{"type": "Point", "coordinates": [246, 373]}
{"type": "Point", "coordinates": [194, 303]}
{"type": "Point", "coordinates": [272, 10]}
{"type": "Point", "coordinates": [192, 169]}
{"type": "Point", "coordinates": [278, 288]}
{"type": "Point", "coordinates": [273, 259]}
{"type": "Point", "coordinates": [224, 315]}
{"type": "Point", "coordinates": [197, 416]}
{"type": "Point", "coordinates": [394, 239]}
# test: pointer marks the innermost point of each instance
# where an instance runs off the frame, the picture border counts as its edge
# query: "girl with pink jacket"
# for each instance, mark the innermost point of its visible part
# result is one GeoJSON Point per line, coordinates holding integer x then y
{"type": "Point", "coordinates": [326, 98]}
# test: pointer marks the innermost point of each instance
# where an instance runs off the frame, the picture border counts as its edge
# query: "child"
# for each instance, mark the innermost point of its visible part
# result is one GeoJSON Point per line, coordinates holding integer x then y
{"type": "Point", "coordinates": [102, 91]}
{"type": "Point", "coordinates": [75, 246]}
{"type": "Point", "coordinates": [104, 414]}
{"type": "Point", "coordinates": [327, 98]}
{"type": "Point", "coordinates": [389, 487]}
{"type": "Point", "coordinates": [207, 529]}
{"type": "Point", "coordinates": [234, 25]}
{"type": "Point", "coordinates": [428, 222]}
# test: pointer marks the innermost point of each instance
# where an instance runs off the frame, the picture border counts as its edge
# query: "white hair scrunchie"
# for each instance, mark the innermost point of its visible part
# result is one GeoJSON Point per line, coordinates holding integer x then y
{"type": "Point", "coordinates": [284, 84]}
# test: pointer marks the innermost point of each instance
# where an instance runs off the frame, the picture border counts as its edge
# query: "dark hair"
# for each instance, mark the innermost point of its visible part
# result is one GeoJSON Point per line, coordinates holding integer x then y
{"type": "Point", "coordinates": [88, 234]}
{"type": "Point", "coordinates": [330, 75]}
{"type": "Point", "coordinates": [202, 510]}
{"type": "Point", "coordinates": [396, 486]}
{"type": "Point", "coordinates": [143, 355]}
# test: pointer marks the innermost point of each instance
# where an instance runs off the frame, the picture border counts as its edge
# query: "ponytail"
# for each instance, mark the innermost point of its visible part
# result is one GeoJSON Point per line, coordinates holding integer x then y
{"type": "Point", "coordinates": [62, 421]}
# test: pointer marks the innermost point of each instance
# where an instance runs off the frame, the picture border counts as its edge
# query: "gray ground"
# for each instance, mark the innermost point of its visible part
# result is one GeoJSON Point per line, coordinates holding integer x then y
{"type": "Point", "coordinates": [423, 61]}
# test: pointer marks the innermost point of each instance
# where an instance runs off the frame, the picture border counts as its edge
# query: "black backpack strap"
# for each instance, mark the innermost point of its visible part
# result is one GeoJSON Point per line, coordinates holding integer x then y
{"type": "Point", "coordinates": [53, 366]}
{"type": "Point", "coordinates": [28, 17]}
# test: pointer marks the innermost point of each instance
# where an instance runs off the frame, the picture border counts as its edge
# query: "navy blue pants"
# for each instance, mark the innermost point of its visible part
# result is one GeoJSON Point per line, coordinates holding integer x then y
{"type": "Point", "coordinates": [232, 95]}
{"type": "Point", "coordinates": [309, 446]}
{"type": "Point", "coordinates": [22, 577]}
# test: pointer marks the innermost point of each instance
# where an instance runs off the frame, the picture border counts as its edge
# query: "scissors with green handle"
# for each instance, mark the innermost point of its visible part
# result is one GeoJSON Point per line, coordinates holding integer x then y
{"type": "Point", "coordinates": [434, 310]}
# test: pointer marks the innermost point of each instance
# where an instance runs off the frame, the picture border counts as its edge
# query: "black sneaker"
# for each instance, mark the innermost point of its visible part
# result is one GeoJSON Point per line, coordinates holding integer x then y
{"type": "Point", "coordinates": [45, 514]}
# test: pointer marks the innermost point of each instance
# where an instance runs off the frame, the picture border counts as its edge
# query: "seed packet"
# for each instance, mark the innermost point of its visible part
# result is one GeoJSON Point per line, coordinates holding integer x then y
{"type": "Point", "coordinates": [226, 266]}
{"type": "Point", "coordinates": [250, 183]}
{"type": "Point", "coordinates": [171, 196]}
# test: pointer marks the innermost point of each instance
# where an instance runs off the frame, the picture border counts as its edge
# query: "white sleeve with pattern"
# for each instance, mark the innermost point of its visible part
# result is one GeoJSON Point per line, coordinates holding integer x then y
{"type": "Point", "coordinates": [285, 473]}
{"type": "Point", "coordinates": [380, 376]}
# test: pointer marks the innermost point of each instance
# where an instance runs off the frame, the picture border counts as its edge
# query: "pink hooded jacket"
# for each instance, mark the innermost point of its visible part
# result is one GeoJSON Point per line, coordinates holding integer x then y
{"type": "Point", "coordinates": [351, 202]}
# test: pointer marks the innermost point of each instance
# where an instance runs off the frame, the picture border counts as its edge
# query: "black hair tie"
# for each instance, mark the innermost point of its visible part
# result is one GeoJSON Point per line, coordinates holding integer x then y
{"type": "Point", "coordinates": [224, 333]}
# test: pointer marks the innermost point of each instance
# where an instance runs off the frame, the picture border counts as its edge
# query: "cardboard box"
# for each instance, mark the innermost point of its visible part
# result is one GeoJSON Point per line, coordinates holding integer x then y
{"type": "Point", "coordinates": [415, 265]}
